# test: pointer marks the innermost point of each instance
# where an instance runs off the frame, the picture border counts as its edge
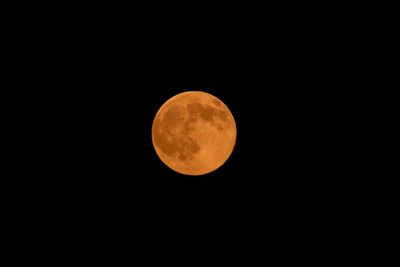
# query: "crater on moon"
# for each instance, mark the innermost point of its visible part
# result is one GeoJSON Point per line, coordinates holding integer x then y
{"type": "Point", "coordinates": [194, 133]}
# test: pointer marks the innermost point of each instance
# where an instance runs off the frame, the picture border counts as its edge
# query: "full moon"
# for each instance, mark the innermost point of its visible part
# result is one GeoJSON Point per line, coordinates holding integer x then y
{"type": "Point", "coordinates": [194, 133]}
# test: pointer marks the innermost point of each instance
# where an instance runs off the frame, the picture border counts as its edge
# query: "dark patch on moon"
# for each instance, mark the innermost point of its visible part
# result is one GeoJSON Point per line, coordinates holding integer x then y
{"type": "Point", "coordinates": [193, 146]}
{"type": "Point", "coordinates": [173, 117]}
{"type": "Point", "coordinates": [167, 146]}
{"type": "Point", "coordinates": [222, 115]}
{"type": "Point", "coordinates": [194, 107]}
{"type": "Point", "coordinates": [181, 144]}
{"type": "Point", "coordinates": [175, 143]}
{"type": "Point", "coordinates": [188, 125]}
{"type": "Point", "coordinates": [208, 113]}
{"type": "Point", "coordinates": [187, 148]}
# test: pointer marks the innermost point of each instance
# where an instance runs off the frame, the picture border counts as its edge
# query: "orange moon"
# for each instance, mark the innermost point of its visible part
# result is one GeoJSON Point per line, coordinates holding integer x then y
{"type": "Point", "coordinates": [194, 133]}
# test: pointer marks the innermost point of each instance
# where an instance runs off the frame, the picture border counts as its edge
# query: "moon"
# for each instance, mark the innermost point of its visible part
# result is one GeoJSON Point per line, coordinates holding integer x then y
{"type": "Point", "coordinates": [194, 133]}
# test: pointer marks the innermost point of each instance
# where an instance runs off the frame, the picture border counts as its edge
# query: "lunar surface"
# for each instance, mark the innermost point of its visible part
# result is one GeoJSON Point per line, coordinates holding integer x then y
{"type": "Point", "coordinates": [194, 133]}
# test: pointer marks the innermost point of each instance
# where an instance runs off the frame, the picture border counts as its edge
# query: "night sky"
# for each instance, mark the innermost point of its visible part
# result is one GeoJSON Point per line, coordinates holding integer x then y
{"type": "Point", "coordinates": [92, 82]}
{"type": "Point", "coordinates": [112, 143]}
{"type": "Point", "coordinates": [101, 88]}
{"type": "Point", "coordinates": [104, 108]}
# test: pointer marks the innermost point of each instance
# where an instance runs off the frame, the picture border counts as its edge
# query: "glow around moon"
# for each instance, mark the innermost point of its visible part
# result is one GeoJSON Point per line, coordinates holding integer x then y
{"type": "Point", "coordinates": [194, 133]}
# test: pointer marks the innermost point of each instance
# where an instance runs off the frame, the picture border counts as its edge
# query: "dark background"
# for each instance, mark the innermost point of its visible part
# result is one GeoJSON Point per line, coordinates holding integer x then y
{"type": "Point", "coordinates": [106, 97]}
{"type": "Point", "coordinates": [97, 79]}
{"type": "Point", "coordinates": [101, 81]}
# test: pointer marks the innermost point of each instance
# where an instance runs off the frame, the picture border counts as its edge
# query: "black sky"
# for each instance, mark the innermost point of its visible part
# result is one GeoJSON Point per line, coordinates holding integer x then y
{"type": "Point", "coordinates": [102, 84]}
{"type": "Point", "coordinates": [90, 80]}
{"type": "Point", "coordinates": [108, 137]}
